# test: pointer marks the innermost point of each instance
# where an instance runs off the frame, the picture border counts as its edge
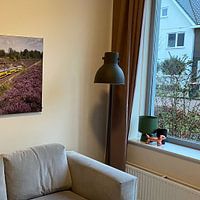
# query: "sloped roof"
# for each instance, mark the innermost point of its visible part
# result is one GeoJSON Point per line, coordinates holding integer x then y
{"type": "Point", "coordinates": [192, 8]}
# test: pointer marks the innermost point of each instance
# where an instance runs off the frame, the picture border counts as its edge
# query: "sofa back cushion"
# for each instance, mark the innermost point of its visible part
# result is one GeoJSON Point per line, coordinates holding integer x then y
{"type": "Point", "coordinates": [37, 171]}
{"type": "Point", "coordinates": [3, 195]}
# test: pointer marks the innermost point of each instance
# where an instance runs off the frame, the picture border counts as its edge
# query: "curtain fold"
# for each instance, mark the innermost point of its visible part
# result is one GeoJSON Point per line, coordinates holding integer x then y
{"type": "Point", "coordinates": [127, 24]}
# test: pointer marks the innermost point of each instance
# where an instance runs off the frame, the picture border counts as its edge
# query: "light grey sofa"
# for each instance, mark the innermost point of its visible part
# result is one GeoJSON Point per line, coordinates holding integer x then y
{"type": "Point", "coordinates": [49, 172]}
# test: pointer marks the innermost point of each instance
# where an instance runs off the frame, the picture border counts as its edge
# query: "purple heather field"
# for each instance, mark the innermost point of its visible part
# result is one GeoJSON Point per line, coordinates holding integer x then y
{"type": "Point", "coordinates": [23, 92]}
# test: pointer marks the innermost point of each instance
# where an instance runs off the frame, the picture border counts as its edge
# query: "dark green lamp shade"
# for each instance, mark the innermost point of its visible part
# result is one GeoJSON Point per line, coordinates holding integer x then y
{"type": "Point", "coordinates": [110, 72]}
{"type": "Point", "coordinates": [147, 124]}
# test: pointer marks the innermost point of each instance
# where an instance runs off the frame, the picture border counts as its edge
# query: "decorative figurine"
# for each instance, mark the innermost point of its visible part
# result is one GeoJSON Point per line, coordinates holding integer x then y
{"type": "Point", "coordinates": [155, 139]}
{"type": "Point", "coordinates": [161, 131]}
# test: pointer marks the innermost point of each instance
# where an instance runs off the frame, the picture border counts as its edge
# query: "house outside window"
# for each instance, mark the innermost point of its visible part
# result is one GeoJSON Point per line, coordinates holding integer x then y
{"type": "Point", "coordinates": [176, 74]}
{"type": "Point", "coordinates": [176, 40]}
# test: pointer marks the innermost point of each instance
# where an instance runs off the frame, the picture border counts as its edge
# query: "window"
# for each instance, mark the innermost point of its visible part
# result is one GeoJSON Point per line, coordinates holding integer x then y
{"type": "Point", "coordinates": [172, 40]}
{"type": "Point", "coordinates": [175, 79]}
{"type": "Point", "coordinates": [176, 40]}
{"type": "Point", "coordinates": [164, 12]}
{"type": "Point", "coordinates": [180, 40]}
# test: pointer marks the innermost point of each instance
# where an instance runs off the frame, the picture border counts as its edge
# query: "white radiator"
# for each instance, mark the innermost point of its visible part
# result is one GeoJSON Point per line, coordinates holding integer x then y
{"type": "Point", "coordinates": [154, 187]}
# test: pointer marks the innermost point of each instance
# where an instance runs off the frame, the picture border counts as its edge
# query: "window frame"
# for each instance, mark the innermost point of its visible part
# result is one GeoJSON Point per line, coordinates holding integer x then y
{"type": "Point", "coordinates": [168, 35]}
{"type": "Point", "coordinates": [176, 40]}
{"type": "Point", "coordinates": [152, 69]}
{"type": "Point", "coordinates": [161, 15]}
{"type": "Point", "coordinates": [179, 33]}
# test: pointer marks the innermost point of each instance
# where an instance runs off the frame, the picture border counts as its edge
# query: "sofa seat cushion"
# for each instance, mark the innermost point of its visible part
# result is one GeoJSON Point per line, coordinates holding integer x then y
{"type": "Point", "coordinates": [36, 171]}
{"type": "Point", "coordinates": [3, 195]}
{"type": "Point", "coordinates": [66, 195]}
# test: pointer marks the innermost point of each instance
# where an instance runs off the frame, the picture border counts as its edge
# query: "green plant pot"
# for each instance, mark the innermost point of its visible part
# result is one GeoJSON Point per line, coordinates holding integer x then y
{"type": "Point", "coordinates": [143, 138]}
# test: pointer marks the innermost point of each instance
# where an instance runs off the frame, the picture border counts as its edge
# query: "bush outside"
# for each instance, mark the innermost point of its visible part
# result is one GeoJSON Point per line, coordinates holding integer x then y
{"type": "Point", "coordinates": [177, 101]}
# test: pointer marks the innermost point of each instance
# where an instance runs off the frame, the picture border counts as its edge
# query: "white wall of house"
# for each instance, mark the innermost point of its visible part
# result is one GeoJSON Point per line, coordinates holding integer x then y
{"type": "Point", "coordinates": [176, 21]}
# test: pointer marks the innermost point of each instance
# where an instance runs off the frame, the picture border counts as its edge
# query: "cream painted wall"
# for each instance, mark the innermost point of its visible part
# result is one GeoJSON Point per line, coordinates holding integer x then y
{"type": "Point", "coordinates": [76, 33]}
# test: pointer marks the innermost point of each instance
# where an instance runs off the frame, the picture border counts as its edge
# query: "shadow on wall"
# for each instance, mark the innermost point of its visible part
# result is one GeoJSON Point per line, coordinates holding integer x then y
{"type": "Point", "coordinates": [92, 143]}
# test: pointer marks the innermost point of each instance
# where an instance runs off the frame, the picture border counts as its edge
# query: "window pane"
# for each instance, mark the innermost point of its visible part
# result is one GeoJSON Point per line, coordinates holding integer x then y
{"type": "Point", "coordinates": [164, 12]}
{"type": "Point", "coordinates": [171, 40]}
{"type": "Point", "coordinates": [177, 89]}
{"type": "Point", "coordinates": [180, 40]}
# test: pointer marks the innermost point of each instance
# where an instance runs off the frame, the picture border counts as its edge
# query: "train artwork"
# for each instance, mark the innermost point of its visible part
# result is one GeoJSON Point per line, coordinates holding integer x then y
{"type": "Point", "coordinates": [21, 70]}
{"type": "Point", "coordinates": [11, 70]}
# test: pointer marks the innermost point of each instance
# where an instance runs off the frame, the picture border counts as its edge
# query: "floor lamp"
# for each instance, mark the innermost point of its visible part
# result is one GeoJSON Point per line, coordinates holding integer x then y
{"type": "Point", "coordinates": [112, 74]}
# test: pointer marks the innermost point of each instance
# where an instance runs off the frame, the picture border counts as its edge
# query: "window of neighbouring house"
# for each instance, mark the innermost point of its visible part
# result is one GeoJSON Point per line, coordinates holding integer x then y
{"type": "Point", "coordinates": [180, 39]}
{"type": "Point", "coordinates": [172, 40]}
{"type": "Point", "coordinates": [175, 81]}
{"type": "Point", "coordinates": [164, 12]}
{"type": "Point", "coordinates": [176, 40]}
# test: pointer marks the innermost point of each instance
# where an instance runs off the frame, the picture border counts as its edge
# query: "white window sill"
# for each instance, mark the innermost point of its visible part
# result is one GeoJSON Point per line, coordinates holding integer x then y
{"type": "Point", "coordinates": [176, 47]}
{"type": "Point", "coordinates": [172, 149]}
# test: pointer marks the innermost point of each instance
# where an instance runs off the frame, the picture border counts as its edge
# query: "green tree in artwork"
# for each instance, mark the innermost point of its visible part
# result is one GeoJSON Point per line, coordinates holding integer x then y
{"type": "Point", "coordinates": [2, 53]}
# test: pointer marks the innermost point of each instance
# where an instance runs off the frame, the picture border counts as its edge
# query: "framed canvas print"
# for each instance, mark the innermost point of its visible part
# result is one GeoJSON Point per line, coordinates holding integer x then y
{"type": "Point", "coordinates": [21, 61]}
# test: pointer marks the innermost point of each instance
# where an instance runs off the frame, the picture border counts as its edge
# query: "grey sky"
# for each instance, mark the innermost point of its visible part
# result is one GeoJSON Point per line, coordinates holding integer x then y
{"type": "Point", "coordinates": [19, 43]}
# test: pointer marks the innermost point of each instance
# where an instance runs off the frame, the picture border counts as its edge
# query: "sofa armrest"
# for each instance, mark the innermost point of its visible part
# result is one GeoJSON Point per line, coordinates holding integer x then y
{"type": "Point", "coordinates": [94, 180]}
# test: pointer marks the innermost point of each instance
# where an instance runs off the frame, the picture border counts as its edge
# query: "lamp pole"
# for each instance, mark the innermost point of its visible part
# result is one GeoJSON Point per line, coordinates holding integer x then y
{"type": "Point", "coordinates": [112, 74]}
{"type": "Point", "coordinates": [108, 135]}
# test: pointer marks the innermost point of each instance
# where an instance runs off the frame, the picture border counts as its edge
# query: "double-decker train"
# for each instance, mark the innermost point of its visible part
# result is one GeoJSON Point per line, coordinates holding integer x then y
{"type": "Point", "coordinates": [11, 70]}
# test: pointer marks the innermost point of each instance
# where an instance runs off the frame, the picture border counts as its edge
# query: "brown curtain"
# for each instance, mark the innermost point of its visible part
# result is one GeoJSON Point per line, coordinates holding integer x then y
{"type": "Point", "coordinates": [127, 24]}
